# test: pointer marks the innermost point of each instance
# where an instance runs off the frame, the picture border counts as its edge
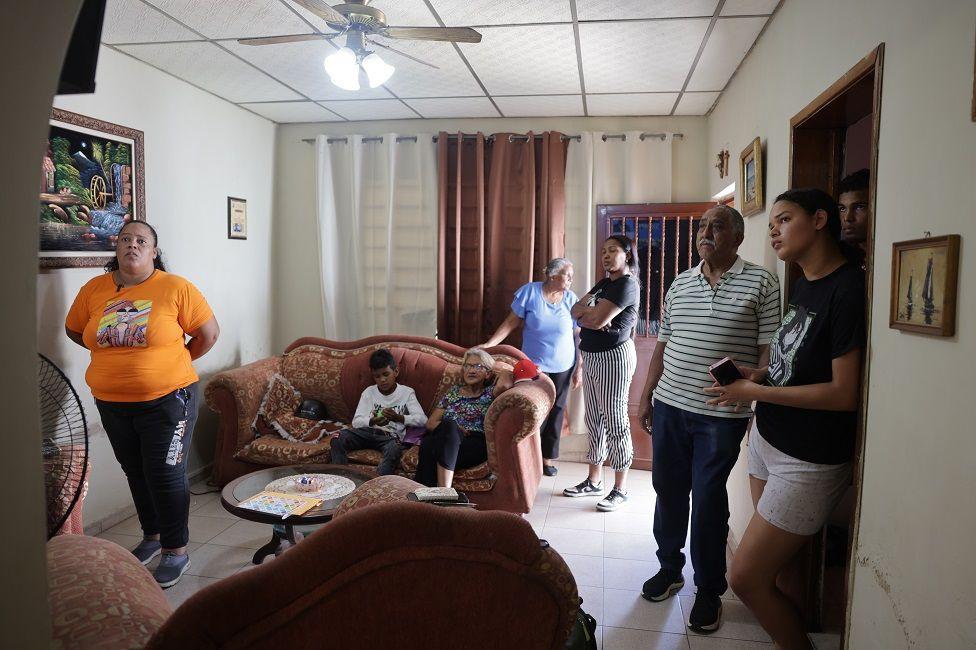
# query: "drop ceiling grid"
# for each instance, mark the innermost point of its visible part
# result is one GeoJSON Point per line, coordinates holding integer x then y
{"type": "Point", "coordinates": [371, 109]}
{"type": "Point", "coordinates": [536, 60]}
{"type": "Point", "coordinates": [651, 52]}
{"type": "Point", "coordinates": [303, 111]}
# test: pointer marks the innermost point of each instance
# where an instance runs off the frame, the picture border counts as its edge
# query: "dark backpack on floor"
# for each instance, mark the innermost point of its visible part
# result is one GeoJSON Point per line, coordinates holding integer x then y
{"type": "Point", "coordinates": [583, 634]}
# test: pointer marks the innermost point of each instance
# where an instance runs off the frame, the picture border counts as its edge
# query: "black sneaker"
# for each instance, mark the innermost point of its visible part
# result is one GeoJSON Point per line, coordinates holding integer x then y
{"type": "Point", "coordinates": [706, 614]}
{"type": "Point", "coordinates": [584, 489]}
{"type": "Point", "coordinates": [147, 550]}
{"type": "Point", "coordinates": [550, 470]}
{"type": "Point", "coordinates": [171, 568]}
{"type": "Point", "coordinates": [663, 585]}
{"type": "Point", "coordinates": [612, 501]}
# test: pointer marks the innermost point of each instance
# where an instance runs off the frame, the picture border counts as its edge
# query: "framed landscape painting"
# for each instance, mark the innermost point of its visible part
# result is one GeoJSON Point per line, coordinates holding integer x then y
{"type": "Point", "coordinates": [92, 182]}
{"type": "Point", "coordinates": [924, 276]}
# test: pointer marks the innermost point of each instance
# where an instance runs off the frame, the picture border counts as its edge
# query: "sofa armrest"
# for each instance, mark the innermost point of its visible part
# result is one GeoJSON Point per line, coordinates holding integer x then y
{"type": "Point", "coordinates": [512, 433]}
{"type": "Point", "coordinates": [100, 595]}
{"type": "Point", "coordinates": [382, 489]}
{"type": "Point", "coordinates": [235, 396]}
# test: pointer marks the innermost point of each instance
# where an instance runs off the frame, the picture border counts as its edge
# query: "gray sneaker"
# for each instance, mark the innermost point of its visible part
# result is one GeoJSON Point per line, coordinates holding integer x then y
{"type": "Point", "coordinates": [171, 568]}
{"type": "Point", "coordinates": [612, 501]}
{"type": "Point", "coordinates": [584, 489]}
{"type": "Point", "coordinates": [147, 550]}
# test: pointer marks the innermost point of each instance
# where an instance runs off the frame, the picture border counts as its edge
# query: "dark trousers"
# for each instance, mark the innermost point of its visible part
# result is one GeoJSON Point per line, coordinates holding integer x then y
{"type": "Point", "coordinates": [552, 428]}
{"type": "Point", "coordinates": [151, 441]}
{"type": "Point", "coordinates": [448, 447]}
{"type": "Point", "coordinates": [694, 453]}
{"type": "Point", "coordinates": [368, 438]}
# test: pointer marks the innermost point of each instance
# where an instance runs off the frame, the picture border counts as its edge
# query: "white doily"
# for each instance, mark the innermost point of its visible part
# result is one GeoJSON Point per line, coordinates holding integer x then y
{"type": "Point", "coordinates": [325, 486]}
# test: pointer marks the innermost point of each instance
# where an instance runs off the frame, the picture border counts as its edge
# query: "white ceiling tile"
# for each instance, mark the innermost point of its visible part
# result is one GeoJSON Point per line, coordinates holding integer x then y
{"type": "Point", "coordinates": [131, 21]}
{"type": "Point", "coordinates": [413, 79]}
{"type": "Point", "coordinates": [454, 107]}
{"type": "Point", "coordinates": [631, 104]}
{"type": "Point", "coordinates": [300, 66]}
{"type": "Point", "coordinates": [749, 7]}
{"type": "Point", "coordinates": [730, 40]}
{"type": "Point", "coordinates": [372, 109]}
{"type": "Point", "coordinates": [638, 56]}
{"type": "Point", "coordinates": [234, 18]}
{"type": "Point", "coordinates": [501, 12]}
{"type": "Point", "coordinates": [211, 68]}
{"type": "Point", "coordinates": [531, 60]}
{"type": "Point", "coordinates": [293, 112]}
{"type": "Point", "coordinates": [412, 13]}
{"type": "Point", "coordinates": [623, 9]}
{"type": "Point", "coordinates": [695, 103]}
{"type": "Point", "coordinates": [541, 106]}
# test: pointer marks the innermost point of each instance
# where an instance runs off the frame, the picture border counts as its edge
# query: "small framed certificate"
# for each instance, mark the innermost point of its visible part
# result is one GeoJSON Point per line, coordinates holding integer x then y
{"type": "Point", "coordinates": [236, 218]}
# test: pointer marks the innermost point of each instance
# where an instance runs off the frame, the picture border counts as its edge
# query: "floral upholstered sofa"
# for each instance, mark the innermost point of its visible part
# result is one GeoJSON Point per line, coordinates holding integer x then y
{"type": "Point", "coordinates": [335, 373]}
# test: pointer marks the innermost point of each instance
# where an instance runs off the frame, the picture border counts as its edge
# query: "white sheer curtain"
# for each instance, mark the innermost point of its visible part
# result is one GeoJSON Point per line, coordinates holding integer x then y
{"type": "Point", "coordinates": [377, 231]}
{"type": "Point", "coordinates": [599, 171]}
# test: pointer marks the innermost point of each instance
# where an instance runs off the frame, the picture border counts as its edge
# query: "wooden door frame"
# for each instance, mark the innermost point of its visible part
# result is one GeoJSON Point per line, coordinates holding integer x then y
{"type": "Point", "coordinates": [871, 64]}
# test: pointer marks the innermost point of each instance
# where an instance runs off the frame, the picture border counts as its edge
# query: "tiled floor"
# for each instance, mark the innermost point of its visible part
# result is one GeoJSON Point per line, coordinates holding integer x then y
{"type": "Point", "coordinates": [610, 554]}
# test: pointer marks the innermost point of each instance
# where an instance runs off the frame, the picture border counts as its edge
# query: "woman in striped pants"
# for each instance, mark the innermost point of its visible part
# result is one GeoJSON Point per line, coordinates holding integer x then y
{"type": "Point", "coordinates": [607, 316]}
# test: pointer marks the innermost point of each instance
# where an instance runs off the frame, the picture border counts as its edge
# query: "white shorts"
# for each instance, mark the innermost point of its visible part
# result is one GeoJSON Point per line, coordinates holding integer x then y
{"type": "Point", "coordinates": [799, 496]}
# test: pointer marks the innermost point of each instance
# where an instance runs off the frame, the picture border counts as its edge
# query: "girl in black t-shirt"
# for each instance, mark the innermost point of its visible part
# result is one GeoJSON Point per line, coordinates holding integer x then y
{"type": "Point", "coordinates": [606, 316]}
{"type": "Point", "coordinates": [800, 461]}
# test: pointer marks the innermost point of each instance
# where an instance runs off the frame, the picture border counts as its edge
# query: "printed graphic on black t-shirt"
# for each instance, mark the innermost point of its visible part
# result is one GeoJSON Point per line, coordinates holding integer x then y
{"type": "Point", "coordinates": [787, 340]}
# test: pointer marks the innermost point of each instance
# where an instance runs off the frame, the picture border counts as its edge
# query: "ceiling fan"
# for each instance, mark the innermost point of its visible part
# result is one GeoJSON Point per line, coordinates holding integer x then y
{"type": "Point", "coordinates": [357, 20]}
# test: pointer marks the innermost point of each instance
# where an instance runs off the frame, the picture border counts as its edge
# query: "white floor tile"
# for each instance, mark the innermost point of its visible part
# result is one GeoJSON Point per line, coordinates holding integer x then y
{"type": "Point", "coordinates": [197, 500]}
{"type": "Point", "coordinates": [559, 500]}
{"type": "Point", "coordinates": [639, 503]}
{"type": "Point", "coordinates": [592, 601]}
{"type": "Point", "coordinates": [204, 529]}
{"type": "Point", "coordinates": [186, 587]}
{"type": "Point", "coordinates": [574, 542]}
{"type": "Point", "coordinates": [587, 569]}
{"type": "Point", "coordinates": [632, 523]}
{"type": "Point", "coordinates": [618, 638]}
{"type": "Point", "coordinates": [212, 508]}
{"type": "Point", "coordinates": [575, 518]}
{"type": "Point", "coordinates": [716, 643]}
{"type": "Point", "coordinates": [128, 542]}
{"type": "Point", "coordinates": [537, 518]}
{"type": "Point", "coordinates": [128, 527]}
{"type": "Point", "coordinates": [598, 633]}
{"type": "Point", "coordinates": [627, 609]}
{"type": "Point", "coordinates": [737, 621]}
{"type": "Point", "coordinates": [246, 534]}
{"type": "Point", "coordinates": [212, 561]}
{"type": "Point", "coordinates": [627, 574]}
{"type": "Point", "coordinates": [630, 547]}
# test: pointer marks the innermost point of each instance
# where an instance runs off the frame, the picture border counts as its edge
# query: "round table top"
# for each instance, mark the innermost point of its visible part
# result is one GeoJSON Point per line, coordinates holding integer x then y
{"type": "Point", "coordinates": [245, 487]}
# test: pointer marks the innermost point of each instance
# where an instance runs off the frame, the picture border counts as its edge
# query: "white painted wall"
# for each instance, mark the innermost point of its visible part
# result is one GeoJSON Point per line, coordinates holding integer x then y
{"type": "Point", "coordinates": [297, 288]}
{"type": "Point", "coordinates": [199, 150]}
{"type": "Point", "coordinates": [915, 574]}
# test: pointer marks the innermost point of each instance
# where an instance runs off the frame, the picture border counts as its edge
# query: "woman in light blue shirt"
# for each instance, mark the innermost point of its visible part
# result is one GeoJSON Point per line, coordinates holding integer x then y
{"type": "Point", "coordinates": [549, 340]}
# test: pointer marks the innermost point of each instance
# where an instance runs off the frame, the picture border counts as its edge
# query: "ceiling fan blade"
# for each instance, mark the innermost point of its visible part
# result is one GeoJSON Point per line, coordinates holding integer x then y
{"type": "Point", "coordinates": [323, 11]}
{"type": "Point", "coordinates": [296, 38]}
{"type": "Point", "coordinates": [401, 53]}
{"type": "Point", "coordinates": [452, 34]}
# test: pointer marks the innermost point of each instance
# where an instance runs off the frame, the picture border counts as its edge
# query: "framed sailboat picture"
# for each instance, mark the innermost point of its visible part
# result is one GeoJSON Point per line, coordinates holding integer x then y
{"type": "Point", "coordinates": [924, 277]}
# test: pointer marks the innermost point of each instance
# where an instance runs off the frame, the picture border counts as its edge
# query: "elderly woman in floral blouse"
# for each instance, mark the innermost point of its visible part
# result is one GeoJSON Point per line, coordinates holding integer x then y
{"type": "Point", "coordinates": [456, 428]}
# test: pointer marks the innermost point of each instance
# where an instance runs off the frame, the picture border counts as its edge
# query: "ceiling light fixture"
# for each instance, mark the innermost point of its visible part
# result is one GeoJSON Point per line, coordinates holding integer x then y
{"type": "Point", "coordinates": [343, 68]}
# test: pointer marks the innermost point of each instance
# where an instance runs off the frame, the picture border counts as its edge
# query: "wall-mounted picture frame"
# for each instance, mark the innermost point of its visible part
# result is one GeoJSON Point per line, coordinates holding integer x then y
{"type": "Point", "coordinates": [236, 218]}
{"type": "Point", "coordinates": [92, 182]}
{"type": "Point", "coordinates": [924, 283]}
{"type": "Point", "coordinates": [751, 178]}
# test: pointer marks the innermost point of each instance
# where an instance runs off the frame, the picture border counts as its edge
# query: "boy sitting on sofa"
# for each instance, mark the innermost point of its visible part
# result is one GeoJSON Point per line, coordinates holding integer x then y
{"type": "Point", "coordinates": [385, 410]}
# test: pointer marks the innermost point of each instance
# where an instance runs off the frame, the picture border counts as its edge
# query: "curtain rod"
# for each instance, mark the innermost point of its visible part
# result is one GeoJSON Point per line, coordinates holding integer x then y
{"type": "Point", "coordinates": [511, 138]}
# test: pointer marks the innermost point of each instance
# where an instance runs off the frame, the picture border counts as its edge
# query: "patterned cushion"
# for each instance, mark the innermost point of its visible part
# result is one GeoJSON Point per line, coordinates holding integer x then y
{"type": "Point", "coordinates": [366, 456]}
{"type": "Point", "coordinates": [275, 450]}
{"type": "Point", "coordinates": [276, 415]}
{"type": "Point", "coordinates": [382, 489]}
{"type": "Point", "coordinates": [475, 485]}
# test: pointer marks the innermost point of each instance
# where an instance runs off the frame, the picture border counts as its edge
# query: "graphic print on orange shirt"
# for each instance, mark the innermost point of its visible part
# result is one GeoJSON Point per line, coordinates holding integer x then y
{"type": "Point", "coordinates": [123, 324]}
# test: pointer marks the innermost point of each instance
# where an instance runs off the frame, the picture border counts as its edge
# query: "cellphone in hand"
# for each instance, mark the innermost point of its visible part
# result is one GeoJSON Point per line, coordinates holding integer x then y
{"type": "Point", "coordinates": [725, 371]}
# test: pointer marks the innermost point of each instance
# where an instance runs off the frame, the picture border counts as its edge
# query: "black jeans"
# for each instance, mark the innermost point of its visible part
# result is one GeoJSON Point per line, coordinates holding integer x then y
{"type": "Point", "coordinates": [552, 428]}
{"type": "Point", "coordinates": [694, 453]}
{"type": "Point", "coordinates": [151, 441]}
{"type": "Point", "coordinates": [448, 447]}
{"type": "Point", "coordinates": [368, 438]}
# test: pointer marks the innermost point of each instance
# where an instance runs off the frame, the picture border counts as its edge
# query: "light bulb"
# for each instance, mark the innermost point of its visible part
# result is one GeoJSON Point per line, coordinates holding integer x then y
{"type": "Point", "coordinates": [378, 70]}
{"type": "Point", "coordinates": [343, 69]}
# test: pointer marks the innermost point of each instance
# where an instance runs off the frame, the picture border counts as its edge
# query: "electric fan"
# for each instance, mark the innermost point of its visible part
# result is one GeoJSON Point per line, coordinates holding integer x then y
{"type": "Point", "coordinates": [64, 443]}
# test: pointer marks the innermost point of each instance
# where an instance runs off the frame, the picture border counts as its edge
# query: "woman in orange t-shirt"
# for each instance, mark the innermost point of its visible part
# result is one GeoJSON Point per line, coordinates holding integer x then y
{"type": "Point", "coordinates": [135, 319]}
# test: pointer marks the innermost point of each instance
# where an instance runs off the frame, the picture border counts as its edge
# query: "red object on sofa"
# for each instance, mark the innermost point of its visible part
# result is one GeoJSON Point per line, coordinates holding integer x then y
{"type": "Point", "coordinates": [335, 373]}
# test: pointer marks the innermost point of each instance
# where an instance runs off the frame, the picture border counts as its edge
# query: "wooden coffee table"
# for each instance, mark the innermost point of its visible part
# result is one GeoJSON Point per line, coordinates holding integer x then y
{"type": "Point", "coordinates": [244, 487]}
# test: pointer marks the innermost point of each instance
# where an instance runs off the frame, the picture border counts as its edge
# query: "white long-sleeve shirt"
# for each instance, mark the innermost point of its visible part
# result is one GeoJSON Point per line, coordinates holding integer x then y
{"type": "Point", "coordinates": [403, 400]}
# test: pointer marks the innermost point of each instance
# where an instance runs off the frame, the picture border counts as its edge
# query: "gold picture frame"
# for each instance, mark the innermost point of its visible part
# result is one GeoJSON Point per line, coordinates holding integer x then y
{"type": "Point", "coordinates": [924, 283]}
{"type": "Point", "coordinates": [236, 218]}
{"type": "Point", "coordinates": [751, 179]}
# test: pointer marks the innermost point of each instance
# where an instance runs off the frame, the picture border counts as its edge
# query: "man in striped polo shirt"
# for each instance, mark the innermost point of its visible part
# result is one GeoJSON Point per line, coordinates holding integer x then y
{"type": "Point", "coordinates": [723, 307]}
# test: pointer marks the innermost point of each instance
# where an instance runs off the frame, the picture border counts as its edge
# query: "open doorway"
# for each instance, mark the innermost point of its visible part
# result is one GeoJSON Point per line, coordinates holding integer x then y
{"type": "Point", "coordinates": [833, 137]}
